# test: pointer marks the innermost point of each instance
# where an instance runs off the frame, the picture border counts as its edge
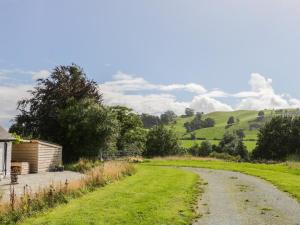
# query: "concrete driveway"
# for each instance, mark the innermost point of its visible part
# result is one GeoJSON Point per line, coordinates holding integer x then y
{"type": "Point", "coordinates": [37, 181]}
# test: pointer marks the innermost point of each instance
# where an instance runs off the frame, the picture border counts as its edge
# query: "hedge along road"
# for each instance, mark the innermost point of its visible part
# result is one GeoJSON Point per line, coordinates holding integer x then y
{"type": "Point", "coordinates": [239, 199]}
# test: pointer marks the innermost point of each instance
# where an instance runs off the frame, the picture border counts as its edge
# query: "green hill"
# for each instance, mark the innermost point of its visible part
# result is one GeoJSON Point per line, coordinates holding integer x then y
{"type": "Point", "coordinates": [243, 120]}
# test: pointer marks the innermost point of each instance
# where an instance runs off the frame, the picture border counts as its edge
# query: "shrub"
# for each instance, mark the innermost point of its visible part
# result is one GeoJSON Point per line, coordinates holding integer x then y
{"type": "Point", "coordinates": [161, 142]}
{"type": "Point", "coordinates": [224, 156]}
{"type": "Point", "coordinates": [279, 138]}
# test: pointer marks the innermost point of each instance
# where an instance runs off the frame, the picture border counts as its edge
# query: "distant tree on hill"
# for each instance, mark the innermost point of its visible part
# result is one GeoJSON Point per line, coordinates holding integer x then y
{"type": "Point", "coordinates": [198, 123]}
{"type": "Point", "coordinates": [240, 133]}
{"type": "Point", "coordinates": [150, 120]}
{"type": "Point", "coordinates": [260, 116]}
{"type": "Point", "coordinates": [168, 117]}
{"type": "Point", "coordinates": [189, 112]}
{"type": "Point", "coordinates": [230, 120]}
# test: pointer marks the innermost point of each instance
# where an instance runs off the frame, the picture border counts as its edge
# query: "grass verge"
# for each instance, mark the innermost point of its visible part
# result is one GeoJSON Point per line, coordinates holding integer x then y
{"type": "Point", "coordinates": [154, 195]}
{"type": "Point", "coordinates": [285, 176]}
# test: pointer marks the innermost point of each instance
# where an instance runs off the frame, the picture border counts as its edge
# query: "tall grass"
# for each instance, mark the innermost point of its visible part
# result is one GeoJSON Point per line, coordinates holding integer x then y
{"type": "Point", "coordinates": [28, 204]}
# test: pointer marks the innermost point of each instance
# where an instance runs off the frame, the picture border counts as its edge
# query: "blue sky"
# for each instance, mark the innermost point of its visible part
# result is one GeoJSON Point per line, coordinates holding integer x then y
{"type": "Point", "coordinates": [214, 44]}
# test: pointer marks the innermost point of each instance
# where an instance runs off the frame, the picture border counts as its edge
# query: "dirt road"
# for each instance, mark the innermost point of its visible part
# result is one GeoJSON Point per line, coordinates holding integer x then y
{"type": "Point", "coordinates": [232, 198]}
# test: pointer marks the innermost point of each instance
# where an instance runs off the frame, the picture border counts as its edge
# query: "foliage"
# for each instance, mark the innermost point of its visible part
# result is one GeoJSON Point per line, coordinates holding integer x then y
{"type": "Point", "coordinates": [40, 115]}
{"type": "Point", "coordinates": [89, 128]}
{"type": "Point", "coordinates": [83, 165]}
{"type": "Point", "coordinates": [233, 145]}
{"type": "Point", "coordinates": [154, 195]}
{"type": "Point", "coordinates": [18, 138]}
{"type": "Point", "coordinates": [240, 133]}
{"type": "Point", "coordinates": [279, 138]}
{"type": "Point", "coordinates": [204, 149]}
{"type": "Point", "coordinates": [168, 117]}
{"type": "Point", "coordinates": [189, 112]}
{"type": "Point", "coordinates": [230, 120]}
{"type": "Point", "coordinates": [131, 136]}
{"type": "Point", "coordinates": [199, 123]}
{"type": "Point", "coordinates": [150, 120]}
{"type": "Point", "coordinates": [161, 142]}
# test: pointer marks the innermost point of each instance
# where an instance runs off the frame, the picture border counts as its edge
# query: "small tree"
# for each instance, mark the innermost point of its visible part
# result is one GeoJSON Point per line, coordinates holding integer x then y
{"type": "Point", "coordinates": [240, 133]}
{"type": "Point", "coordinates": [167, 117]}
{"type": "Point", "coordinates": [189, 112]}
{"type": "Point", "coordinates": [230, 120]}
{"type": "Point", "coordinates": [161, 142]}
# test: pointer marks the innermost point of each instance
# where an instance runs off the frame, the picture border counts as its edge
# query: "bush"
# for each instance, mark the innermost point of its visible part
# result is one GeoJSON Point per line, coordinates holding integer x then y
{"type": "Point", "coordinates": [279, 138]}
{"type": "Point", "coordinates": [233, 145]}
{"type": "Point", "coordinates": [203, 150]}
{"type": "Point", "coordinates": [161, 142]}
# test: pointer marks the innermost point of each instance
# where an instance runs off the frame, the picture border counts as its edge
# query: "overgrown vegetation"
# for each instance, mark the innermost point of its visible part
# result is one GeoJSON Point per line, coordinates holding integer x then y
{"type": "Point", "coordinates": [30, 203]}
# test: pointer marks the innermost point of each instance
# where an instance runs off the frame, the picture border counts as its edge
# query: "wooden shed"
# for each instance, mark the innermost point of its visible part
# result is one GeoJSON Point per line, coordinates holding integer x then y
{"type": "Point", "coordinates": [41, 156]}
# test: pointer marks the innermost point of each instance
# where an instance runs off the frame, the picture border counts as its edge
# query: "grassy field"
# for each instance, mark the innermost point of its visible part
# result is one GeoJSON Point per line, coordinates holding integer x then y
{"type": "Point", "coordinates": [217, 132]}
{"type": "Point", "coordinates": [285, 176]}
{"type": "Point", "coordinates": [188, 143]}
{"type": "Point", "coordinates": [153, 195]}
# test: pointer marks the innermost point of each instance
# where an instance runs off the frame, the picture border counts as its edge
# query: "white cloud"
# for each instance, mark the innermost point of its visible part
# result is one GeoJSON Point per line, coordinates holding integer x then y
{"type": "Point", "coordinates": [9, 96]}
{"type": "Point", "coordinates": [40, 74]}
{"type": "Point", "coordinates": [263, 96]}
{"type": "Point", "coordinates": [207, 104]}
{"type": "Point", "coordinates": [121, 90]}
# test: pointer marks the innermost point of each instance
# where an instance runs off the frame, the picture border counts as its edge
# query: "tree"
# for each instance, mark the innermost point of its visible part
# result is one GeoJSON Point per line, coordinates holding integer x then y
{"type": "Point", "coordinates": [202, 150]}
{"type": "Point", "coordinates": [233, 145]}
{"type": "Point", "coordinates": [260, 115]}
{"type": "Point", "coordinates": [240, 133]}
{"type": "Point", "coordinates": [150, 120]}
{"type": "Point", "coordinates": [161, 142]}
{"type": "Point", "coordinates": [189, 112]}
{"type": "Point", "coordinates": [278, 138]}
{"type": "Point", "coordinates": [209, 122]}
{"type": "Point", "coordinates": [131, 133]}
{"type": "Point", "coordinates": [168, 117]}
{"type": "Point", "coordinates": [39, 114]}
{"type": "Point", "coordinates": [230, 120]}
{"type": "Point", "coordinates": [89, 129]}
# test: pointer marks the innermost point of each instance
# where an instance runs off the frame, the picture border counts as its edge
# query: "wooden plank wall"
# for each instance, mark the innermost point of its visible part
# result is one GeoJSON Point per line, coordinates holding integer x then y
{"type": "Point", "coordinates": [49, 156]}
{"type": "Point", "coordinates": [26, 152]}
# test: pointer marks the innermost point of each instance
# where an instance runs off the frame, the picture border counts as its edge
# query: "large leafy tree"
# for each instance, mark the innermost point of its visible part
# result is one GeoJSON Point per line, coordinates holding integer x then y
{"type": "Point", "coordinates": [39, 114]}
{"type": "Point", "coordinates": [278, 138]}
{"type": "Point", "coordinates": [131, 138]}
{"type": "Point", "coordinates": [161, 142]}
{"type": "Point", "coordinates": [89, 129]}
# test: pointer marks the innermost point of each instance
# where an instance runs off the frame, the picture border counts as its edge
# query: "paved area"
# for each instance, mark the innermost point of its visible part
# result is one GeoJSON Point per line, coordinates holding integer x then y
{"type": "Point", "coordinates": [37, 181]}
{"type": "Point", "coordinates": [232, 198]}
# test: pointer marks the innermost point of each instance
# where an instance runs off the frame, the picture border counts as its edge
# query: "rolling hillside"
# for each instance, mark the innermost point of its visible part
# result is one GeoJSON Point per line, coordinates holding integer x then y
{"type": "Point", "coordinates": [243, 118]}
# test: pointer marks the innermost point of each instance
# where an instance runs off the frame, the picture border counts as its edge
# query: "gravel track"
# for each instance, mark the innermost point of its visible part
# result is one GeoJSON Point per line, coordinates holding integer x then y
{"type": "Point", "coordinates": [232, 198]}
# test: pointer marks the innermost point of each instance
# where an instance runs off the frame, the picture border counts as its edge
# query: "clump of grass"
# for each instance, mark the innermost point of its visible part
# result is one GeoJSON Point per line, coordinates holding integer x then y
{"type": "Point", "coordinates": [30, 203]}
{"type": "Point", "coordinates": [83, 165]}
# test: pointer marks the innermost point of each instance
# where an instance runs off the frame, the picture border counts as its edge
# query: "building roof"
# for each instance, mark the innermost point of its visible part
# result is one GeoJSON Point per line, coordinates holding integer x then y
{"type": "Point", "coordinates": [5, 136]}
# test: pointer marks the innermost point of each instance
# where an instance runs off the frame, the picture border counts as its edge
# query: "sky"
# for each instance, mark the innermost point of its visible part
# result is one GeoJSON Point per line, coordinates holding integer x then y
{"type": "Point", "coordinates": [154, 55]}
